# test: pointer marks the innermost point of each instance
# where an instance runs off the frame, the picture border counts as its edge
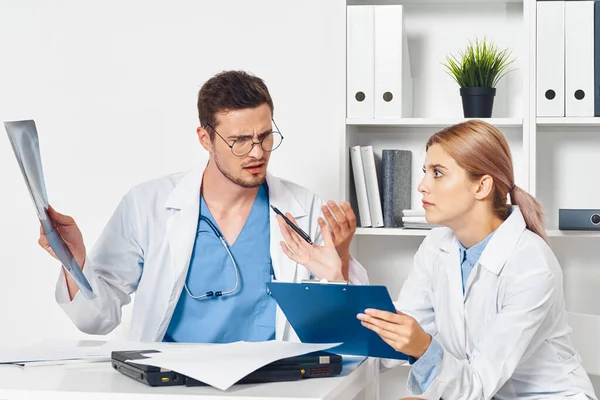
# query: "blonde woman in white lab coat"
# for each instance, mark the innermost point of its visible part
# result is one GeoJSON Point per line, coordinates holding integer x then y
{"type": "Point", "coordinates": [482, 312]}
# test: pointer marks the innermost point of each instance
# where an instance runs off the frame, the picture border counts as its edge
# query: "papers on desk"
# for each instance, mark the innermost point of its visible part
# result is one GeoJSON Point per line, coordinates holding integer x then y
{"type": "Point", "coordinates": [57, 352]}
{"type": "Point", "coordinates": [50, 352]}
{"type": "Point", "coordinates": [350, 363]}
{"type": "Point", "coordinates": [223, 365]}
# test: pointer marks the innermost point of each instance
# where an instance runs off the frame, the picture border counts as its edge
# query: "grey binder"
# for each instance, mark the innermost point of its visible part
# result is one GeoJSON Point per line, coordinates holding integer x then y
{"type": "Point", "coordinates": [396, 173]}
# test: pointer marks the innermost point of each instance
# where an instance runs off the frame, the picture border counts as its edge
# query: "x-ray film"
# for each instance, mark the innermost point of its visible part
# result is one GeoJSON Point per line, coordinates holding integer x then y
{"type": "Point", "coordinates": [24, 140]}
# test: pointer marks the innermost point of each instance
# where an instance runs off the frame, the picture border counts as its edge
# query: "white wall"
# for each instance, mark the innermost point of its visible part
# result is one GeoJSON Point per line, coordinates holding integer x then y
{"type": "Point", "coordinates": [112, 87]}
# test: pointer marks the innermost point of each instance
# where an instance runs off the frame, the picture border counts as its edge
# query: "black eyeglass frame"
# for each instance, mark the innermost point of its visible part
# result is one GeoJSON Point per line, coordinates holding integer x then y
{"type": "Point", "coordinates": [253, 142]}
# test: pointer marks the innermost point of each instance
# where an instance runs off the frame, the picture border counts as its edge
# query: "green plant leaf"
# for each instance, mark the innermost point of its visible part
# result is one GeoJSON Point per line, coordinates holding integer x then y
{"type": "Point", "coordinates": [481, 64]}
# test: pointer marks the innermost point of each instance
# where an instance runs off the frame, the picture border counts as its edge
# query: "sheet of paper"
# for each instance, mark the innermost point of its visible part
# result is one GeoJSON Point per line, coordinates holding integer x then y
{"type": "Point", "coordinates": [86, 361]}
{"type": "Point", "coordinates": [57, 352]}
{"type": "Point", "coordinates": [350, 363]}
{"type": "Point", "coordinates": [24, 141]}
{"type": "Point", "coordinates": [223, 365]}
{"type": "Point", "coordinates": [50, 350]}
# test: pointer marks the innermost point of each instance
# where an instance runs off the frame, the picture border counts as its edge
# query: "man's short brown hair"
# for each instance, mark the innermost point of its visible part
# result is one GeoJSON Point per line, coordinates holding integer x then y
{"type": "Point", "coordinates": [230, 90]}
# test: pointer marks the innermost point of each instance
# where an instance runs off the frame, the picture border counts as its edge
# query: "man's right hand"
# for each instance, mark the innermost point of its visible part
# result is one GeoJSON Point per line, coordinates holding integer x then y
{"type": "Point", "coordinates": [69, 231]}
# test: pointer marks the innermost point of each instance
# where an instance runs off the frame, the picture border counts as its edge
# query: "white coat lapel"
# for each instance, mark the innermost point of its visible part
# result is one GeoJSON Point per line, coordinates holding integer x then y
{"type": "Point", "coordinates": [281, 197]}
{"type": "Point", "coordinates": [451, 262]}
{"type": "Point", "coordinates": [184, 203]}
{"type": "Point", "coordinates": [285, 269]}
{"type": "Point", "coordinates": [500, 247]}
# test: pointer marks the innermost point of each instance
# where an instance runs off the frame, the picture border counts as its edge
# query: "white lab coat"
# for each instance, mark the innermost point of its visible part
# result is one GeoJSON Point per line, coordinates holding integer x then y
{"type": "Point", "coordinates": [508, 336]}
{"type": "Point", "coordinates": [146, 247]}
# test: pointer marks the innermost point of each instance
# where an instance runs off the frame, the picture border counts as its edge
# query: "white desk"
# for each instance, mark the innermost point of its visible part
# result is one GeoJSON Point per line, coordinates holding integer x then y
{"type": "Point", "coordinates": [100, 381]}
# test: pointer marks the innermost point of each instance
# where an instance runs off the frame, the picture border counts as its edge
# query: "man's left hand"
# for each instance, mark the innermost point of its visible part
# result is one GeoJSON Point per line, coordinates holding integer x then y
{"type": "Point", "coordinates": [342, 223]}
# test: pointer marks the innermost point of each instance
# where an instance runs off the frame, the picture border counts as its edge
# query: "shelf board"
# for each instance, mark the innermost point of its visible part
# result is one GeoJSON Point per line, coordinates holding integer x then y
{"type": "Point", "coordinates": [392, 232]}
{"type": "Point", "coordinates": [568, 121]}
{"type": "Point", "coordinates": [430, 122]}
{"type": "Point", "coordinates": [559, 233]}
{"type": "Point", "coordinates": [424, 232]}
{"type": "Point", "coordinates": [420, 2]}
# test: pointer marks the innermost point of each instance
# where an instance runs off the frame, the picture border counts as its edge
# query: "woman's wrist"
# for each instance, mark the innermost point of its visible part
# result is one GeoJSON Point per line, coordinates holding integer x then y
{"type": "Point", "coordinates": [423, 348]}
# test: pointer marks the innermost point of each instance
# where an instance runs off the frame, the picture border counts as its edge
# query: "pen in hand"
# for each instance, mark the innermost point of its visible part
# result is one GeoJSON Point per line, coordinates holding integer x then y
{"type": "Point", "coordinates": [299, 231]}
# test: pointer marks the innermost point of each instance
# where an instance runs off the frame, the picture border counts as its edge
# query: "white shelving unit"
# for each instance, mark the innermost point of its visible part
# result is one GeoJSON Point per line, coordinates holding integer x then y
{"type": "Point", "coordinates": [555, 158]}
{"type": "Point", "coordinates": [568, 122]}
{"type": "Point", "coordinates": [572, 234]}
{"type": "Point", "coordinates": [552, 233]}
{"type": "Point", "coordinates": [391, 232]}
{"type": "Point", "coordinates": [410, 2]}
{"type": "Point", "coordinates": [430, 122]}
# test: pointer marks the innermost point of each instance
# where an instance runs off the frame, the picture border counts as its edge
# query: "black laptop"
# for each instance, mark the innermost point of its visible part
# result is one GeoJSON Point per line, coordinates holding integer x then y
{"type": "Point", "coordinates": [312, 365]}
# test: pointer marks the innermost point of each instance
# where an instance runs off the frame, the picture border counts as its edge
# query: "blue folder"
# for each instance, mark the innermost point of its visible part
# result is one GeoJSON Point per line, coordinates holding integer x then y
{"type": "Point", "coordinates": [326, 313]}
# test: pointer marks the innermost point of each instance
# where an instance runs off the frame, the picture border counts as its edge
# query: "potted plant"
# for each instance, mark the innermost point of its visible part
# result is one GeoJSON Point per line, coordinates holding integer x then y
{"type": "Point", "coordinates": [477, 71]}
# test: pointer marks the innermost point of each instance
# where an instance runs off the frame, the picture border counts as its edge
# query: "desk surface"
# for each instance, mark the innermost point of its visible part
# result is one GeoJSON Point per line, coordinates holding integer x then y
{"type": "Point", "coordinates": [100, 381]}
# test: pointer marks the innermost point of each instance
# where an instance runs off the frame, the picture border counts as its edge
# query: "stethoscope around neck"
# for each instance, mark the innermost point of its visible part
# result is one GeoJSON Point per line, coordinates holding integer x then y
{"type": "Point", "coordinates": [217, 293]}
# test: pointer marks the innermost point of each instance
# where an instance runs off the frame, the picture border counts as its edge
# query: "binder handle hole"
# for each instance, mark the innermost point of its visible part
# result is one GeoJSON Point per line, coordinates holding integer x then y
{"type": "Point", "coordinates": [579, 94]}
{"type": "Point", "coordinates": [550, 94]}
{"type": "Point", "coordinates": [360, 96]}
{"type": "Point", "coordinates": [388, 96]}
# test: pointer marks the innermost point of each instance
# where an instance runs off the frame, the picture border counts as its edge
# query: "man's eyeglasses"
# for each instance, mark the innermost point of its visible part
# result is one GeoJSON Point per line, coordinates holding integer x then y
{"type": "Point", "coordinates": [243, 145]}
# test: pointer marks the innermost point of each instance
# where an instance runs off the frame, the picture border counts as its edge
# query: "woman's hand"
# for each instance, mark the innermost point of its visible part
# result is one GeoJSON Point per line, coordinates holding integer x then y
{"type": "Point", "coordinates": [399, 330]}
{"type": "Point", "coordinates": [322, 261]}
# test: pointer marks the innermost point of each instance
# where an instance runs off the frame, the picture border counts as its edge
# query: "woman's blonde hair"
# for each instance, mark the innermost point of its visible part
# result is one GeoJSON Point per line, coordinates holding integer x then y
{"type": "Point", "coordinates": [481, 149]}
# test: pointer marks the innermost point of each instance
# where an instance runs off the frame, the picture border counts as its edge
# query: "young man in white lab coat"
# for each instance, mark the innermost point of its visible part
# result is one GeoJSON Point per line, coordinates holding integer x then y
{"type": "Point", "coordinates": [163, 242]}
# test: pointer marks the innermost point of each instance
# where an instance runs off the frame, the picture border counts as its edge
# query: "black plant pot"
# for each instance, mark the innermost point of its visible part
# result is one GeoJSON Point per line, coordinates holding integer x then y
{"type": "Point", "coordinates": [477, 101]}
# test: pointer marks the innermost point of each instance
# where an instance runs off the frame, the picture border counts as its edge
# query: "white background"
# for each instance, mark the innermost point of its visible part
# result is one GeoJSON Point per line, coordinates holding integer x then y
{"type": "Point", "coordinates": [112, 87]}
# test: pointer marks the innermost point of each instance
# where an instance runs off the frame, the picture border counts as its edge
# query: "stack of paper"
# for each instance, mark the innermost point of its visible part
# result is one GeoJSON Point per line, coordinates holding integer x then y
{"type": "Point", "coordinates": [52, 352]}
{"type": "Point", "coordinates": [55, 352]}
{"type": "Point", "coordinates": [415, 219]}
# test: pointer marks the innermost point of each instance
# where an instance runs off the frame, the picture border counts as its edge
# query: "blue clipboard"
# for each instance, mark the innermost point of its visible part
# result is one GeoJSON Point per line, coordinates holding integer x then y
{"type": "Point", "coordinates": [326, 313]}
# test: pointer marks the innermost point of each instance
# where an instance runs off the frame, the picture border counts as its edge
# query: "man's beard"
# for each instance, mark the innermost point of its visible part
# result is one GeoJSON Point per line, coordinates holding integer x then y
{"type": "Point", "coordinates": [248, 184]}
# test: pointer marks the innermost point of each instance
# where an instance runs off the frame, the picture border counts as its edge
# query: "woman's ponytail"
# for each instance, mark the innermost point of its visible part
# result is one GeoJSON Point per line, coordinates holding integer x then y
{"type": "Point", "coordinates": [531, 209]}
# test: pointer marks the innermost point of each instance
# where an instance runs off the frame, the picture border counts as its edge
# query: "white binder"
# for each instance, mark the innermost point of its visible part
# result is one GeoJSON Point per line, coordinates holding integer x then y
{"type": "Point", "coordinates": [372, 186]}
{"type": "Point", "coordinates": [360, 62]}
{"type": "Point", "coordinates": [393, 79]}
{"type": "Point", "coordinates": [579, 58]}
{"type": "Point", "coordinates": [550, 69]}
{"type": "Point", "coordinates": [364, 215]}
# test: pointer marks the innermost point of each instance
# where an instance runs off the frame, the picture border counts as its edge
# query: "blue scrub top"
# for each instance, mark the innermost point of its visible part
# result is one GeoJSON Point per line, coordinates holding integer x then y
{"type": "Point", "coordinates": [248, 314]}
